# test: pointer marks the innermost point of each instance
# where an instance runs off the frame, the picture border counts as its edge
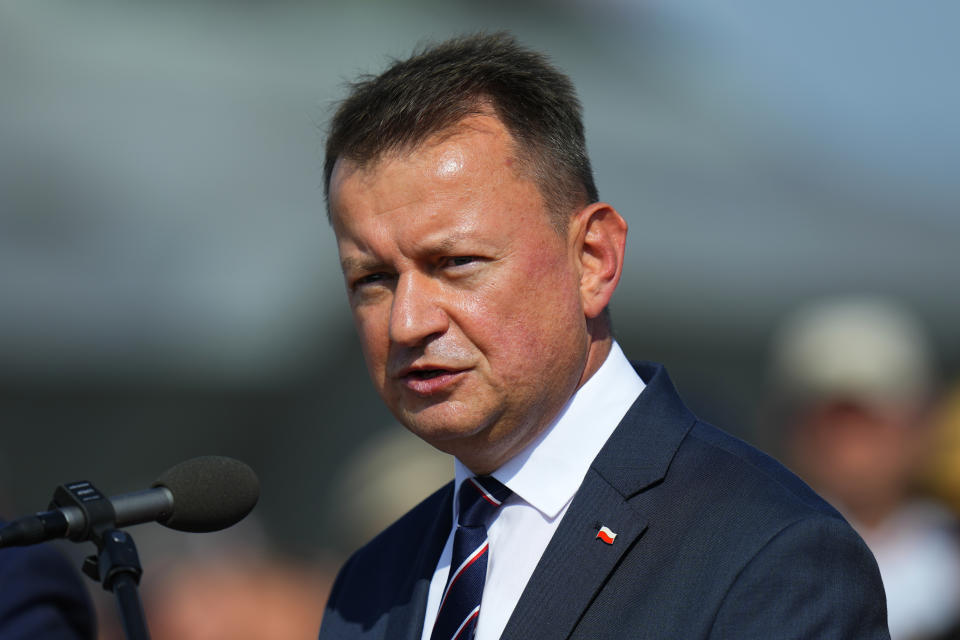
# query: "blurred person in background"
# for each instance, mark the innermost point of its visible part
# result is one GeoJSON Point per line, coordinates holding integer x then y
{"type": "Point", "coordinates": [854, 385]}
{"type": "Point", "coordinates": [240, 597]}
{"type": "Point", "coordinates": [383, 479]}
{"type": "Point", "coordinates": [588, 502]}
{"type": "Point", "coordinates": [223, 585]}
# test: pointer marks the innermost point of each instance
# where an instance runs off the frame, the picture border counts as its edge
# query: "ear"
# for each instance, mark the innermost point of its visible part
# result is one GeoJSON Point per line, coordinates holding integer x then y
{"type": "Point", "coordinates": [600, 236]}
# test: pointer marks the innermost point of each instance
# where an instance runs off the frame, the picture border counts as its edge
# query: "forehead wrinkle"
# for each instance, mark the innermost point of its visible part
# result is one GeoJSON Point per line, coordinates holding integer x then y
{"type": "Point", "coordinates": [365, 181]}
{"type": "Point", "coordinates": [444, 240]}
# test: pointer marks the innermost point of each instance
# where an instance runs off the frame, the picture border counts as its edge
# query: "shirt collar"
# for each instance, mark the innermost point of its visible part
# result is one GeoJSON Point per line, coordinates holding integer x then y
{"type": "Point", "coordinates": [547, 473]}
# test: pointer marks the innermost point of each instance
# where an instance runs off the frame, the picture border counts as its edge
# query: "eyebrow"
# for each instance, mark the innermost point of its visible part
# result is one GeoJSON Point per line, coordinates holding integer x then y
{"type": "Point", "coordinates": [369, 263]}
{"type": "Point", "coordinates": [360, 264]}
{"type": "Point", "coordinates": [447, 243]}
{"type": "Point", "coordinates": [444, 245]}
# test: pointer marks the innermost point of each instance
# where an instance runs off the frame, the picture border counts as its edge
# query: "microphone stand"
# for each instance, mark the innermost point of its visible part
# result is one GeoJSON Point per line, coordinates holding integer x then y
{"type": "Point", "coordinates": [116, 565]}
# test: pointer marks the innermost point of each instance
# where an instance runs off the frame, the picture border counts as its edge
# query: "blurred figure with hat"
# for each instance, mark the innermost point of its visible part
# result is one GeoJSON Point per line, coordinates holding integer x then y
{"type": "Point", "coordinates": [854, 384]}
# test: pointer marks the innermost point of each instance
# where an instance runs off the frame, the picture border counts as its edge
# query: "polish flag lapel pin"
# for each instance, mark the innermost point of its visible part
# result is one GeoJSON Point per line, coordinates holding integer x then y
{"type": "Point", "coordinates": [606, 535]}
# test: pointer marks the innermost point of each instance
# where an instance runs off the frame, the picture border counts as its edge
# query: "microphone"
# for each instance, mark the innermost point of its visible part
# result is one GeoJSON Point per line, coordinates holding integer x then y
{"type": "Point", "coordinates": [203, 494]}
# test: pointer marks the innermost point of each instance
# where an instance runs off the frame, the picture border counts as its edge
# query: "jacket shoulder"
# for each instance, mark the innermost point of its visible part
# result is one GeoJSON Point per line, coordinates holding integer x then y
{"type": "Point", "coordinates": [788, 540]}
{"type": "Point", "coordinates": [750, 475]}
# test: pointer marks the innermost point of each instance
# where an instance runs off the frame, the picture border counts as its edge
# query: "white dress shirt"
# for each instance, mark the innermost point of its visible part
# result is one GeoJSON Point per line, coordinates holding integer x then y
{"type": "Point", "coordinates": [544, 478]}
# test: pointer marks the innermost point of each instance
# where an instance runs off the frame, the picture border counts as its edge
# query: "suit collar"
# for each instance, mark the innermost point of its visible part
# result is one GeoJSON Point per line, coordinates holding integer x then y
{"type": "Point", "coordinates": [639, 452]}
{"type": "Point", "coordinates": [548, 472]}
{"type": "Point", "coordinates": [576, 564]}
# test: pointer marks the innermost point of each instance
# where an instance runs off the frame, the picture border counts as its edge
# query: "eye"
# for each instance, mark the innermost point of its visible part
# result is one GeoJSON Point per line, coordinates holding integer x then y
{"type": "Point", "coordinates": [459, 261]}
{"type": "Point", "coordinates": [372, 278]}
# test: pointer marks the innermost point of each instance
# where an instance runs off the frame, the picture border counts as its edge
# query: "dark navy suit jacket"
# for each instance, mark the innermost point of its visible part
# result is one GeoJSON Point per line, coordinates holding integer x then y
{"type": "Point", "coordinates": [714, 540]}
{"type": "Point", "coordinates": [42, 597]}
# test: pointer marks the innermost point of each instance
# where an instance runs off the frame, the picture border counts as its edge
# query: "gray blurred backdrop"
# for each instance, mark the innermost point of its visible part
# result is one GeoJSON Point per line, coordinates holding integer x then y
{"type": "Point", "coordinates": [169, 286]}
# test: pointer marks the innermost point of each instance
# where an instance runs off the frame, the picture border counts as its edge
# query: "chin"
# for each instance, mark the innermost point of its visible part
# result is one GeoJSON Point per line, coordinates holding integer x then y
{"type": "Point", "coordinates": [439, 433]}
{"type": "Point", "coordinates": [442, 429]}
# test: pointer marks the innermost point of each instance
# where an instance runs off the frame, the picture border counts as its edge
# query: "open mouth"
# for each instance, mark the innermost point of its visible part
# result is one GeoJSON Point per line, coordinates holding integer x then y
{"type": "Point", "coordinates": [428, 381]}
{"type": "Point", "coordinates": [427, 374]}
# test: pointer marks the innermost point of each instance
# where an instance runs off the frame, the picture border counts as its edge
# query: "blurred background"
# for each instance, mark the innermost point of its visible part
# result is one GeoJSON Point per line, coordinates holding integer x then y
{"type": "Point", "coordinates": [169, 286]}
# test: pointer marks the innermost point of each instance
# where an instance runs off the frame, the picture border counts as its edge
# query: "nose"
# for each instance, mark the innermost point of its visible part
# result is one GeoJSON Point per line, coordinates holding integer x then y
{"type": "Point", "coordinates": [416, 313]}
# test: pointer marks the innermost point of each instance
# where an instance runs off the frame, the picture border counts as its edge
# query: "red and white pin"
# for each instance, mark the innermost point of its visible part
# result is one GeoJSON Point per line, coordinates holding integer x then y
{"type": "Point", "coordinates": [606, 535]}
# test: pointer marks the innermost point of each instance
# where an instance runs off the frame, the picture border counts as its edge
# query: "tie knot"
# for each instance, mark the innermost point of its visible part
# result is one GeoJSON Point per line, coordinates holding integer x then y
{"type": "Point", "coordinates": [479, 497]}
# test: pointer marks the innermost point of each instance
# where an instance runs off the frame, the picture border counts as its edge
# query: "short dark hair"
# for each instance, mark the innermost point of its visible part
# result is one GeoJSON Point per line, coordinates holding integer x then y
{"type": "Point", "coordinates": [440, 85]}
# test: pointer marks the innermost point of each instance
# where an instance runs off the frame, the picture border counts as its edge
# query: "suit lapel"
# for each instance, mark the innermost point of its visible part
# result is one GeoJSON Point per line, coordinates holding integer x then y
{"type": "Point", "coordinates": [576, 564]}
{"type": "Point", "coordinates": [406, 618]}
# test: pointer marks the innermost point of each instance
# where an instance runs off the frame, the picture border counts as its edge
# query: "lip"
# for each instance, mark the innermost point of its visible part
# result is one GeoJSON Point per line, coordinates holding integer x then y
{"type": "Point", "coordinates": [428, 380]}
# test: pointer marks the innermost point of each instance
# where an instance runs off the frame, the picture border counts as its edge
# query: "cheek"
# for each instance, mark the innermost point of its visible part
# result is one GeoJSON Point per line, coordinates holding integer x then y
{"type": "Point", "coordinates": [372, 332]}
{"type": "Point", "coordinates": [527, 318]}
{"type": "Point", "coordinates": [549, 292]}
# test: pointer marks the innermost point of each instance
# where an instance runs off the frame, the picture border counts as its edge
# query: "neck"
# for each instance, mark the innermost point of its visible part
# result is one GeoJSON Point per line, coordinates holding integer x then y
{"type": "Point", "coordinates": [600, 342]}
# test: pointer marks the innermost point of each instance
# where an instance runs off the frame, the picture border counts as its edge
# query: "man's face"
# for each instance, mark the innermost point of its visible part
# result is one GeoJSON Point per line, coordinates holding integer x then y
{"type": "Point", "coordinates": [465, 297]}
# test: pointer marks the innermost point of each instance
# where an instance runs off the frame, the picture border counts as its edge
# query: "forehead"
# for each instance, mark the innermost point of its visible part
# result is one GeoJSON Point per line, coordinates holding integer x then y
{"type": "Point", "coordinates": [478, 149]}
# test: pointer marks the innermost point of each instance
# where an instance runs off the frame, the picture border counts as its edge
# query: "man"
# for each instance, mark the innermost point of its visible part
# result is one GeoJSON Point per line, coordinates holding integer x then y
{"type": "Point", "coordinates": [479, 263]}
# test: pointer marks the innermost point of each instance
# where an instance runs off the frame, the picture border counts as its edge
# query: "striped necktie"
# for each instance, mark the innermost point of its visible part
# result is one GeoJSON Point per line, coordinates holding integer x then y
{"type": "Point", "coordinates": [460, 605]}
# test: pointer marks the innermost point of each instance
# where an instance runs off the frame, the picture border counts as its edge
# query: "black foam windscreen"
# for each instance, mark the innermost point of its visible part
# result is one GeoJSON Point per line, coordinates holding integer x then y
{"type": "Point", "coordinates": [209, 493]}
